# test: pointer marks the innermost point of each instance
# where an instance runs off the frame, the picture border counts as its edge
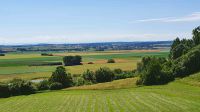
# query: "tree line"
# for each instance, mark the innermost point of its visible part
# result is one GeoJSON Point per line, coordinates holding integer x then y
{"type": "Point", "coordinates": [184, 59]}
{"type": "Point", "coordinates": [60, 79]}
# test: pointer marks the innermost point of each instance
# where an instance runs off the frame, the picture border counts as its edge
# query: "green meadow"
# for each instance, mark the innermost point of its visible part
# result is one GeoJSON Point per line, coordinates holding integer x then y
{"type": "Point", "coordinates": [178, 96]}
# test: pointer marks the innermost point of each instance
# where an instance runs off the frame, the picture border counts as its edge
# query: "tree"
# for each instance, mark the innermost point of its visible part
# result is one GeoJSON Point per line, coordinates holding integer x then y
{"type": "Point", "coordinates": [60, 76]}
{"type": "Point", "coordinates": [180, 47]}
{"type": "Point", "coordinates": [89, 76]}
{"type": "Point", "coordinates": [4, 91]}
{"type": "Point", "coordinates": [196, 35]}
{"type": "Point", "coordinates": [153, 74]}
{"type": "Point", "coordinates": [77, 60]}
{"type": "Point", "coordinates": [104, 75]}
{"type": "Point", "coordinates": [175, 43]}
{"type": "Point", "coordinates": [146, 60]}
{"type": "Point", "coordinates": [188, 63]}
{"type": "Point", "coordinates": [179, 50]}
{"type": "Point", "coordinates": [72, 60]}
{"type": "Point", "coordinates": [19, 87]}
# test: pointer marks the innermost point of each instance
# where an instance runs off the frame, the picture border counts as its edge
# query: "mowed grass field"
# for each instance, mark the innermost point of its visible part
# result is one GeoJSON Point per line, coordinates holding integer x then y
{"type": "Point", "coordinates": [17, 65]}
{"type": "Point", "coordinates": [177, 96]}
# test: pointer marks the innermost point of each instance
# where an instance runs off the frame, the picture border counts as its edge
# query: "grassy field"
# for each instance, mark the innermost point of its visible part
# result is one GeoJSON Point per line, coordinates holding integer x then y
{"type": "Point", "coordinates": [177, 96]}
{"type": "Point", "coordinates": [16, 65]}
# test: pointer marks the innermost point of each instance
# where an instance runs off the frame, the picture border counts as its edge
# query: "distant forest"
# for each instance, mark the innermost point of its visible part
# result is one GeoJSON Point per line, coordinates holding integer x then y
{"type": "Point", "coordinates": [86, 46]}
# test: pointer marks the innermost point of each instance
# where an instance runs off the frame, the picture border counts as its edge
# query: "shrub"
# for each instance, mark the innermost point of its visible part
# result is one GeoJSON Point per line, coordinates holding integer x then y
{"type": "Point", "coordinates": [72, 60]}
{"type": "Point", "coordinates": [4, 91]}
{"type": "Point", "coordinates": [55, 86]}
{"type": "Point", "coordinates": [154, 75]}
{"type": "Point", "coordinates": [124, 75]}
{"type": "Point", "coordinates": [80, 81]}
{"type": "Point", "coordinates": [111, 61]}
{"type": "Point", "coordinates": [118, 71]}
{"type": "Point", "coordinates": [21, 87]}
{"type": "Point", "coordinates": [2, 54]}
{"type": "Point", "coordinates": [46, 54]}
{"type": "Point", "coordinates": [43, 85]}
{"type": "Point", "coordinates": [60, 75]}
{"type": "Point", "coordinates": [104, 75]}
{"type": "Point", "coordinates": [89, 76]}
{"type": "Point", "coordinates": [154, 71]}
{"type": "Point", "coordinates": [90, 63]}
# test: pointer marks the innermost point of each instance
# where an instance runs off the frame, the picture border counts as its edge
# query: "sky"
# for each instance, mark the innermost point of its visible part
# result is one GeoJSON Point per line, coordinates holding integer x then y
{"type": "Point", "coordinates": [86, 21]}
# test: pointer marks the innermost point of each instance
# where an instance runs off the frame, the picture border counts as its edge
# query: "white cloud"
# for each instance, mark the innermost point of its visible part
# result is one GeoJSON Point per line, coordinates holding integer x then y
{"type": "Point", "coordinates": [188, 18]}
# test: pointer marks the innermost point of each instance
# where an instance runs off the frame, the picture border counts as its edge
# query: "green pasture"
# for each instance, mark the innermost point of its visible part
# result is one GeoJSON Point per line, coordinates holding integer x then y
{"type": "Point", "coordinates": [16, 65]}
{"type": "Point", "coordinates": [28, 59]}
{"type": "Point", "coordinates": [174, 97]}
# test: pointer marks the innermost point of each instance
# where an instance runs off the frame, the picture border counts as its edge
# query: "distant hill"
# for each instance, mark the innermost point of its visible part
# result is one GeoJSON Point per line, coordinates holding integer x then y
{"type": "Point", "coordinates": [87, 46]}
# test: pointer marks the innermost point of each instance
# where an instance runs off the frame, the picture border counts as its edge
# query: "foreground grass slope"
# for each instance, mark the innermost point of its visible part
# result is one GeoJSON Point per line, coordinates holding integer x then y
{"type": "Point", "coordinates": [173, 97]}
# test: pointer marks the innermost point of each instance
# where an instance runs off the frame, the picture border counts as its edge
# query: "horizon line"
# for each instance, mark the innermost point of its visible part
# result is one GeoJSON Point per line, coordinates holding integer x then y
{"type": "Point", "coordinates": [18, 44]}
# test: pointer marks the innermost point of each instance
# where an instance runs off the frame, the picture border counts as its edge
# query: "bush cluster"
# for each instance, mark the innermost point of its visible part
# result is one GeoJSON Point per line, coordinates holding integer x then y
{"type": "Point", "coordinates": [16, 87]}
{"type": "Point", "coordinates": [123, 74]}
{"type": "Point", "coordinates": [55, 86]}
{"type": "Point", "coordinates": [103, 74]}
{"type": "Point", "coordinates": [43, 85]}
{"type": "Point", "coordinates": [152, 72]}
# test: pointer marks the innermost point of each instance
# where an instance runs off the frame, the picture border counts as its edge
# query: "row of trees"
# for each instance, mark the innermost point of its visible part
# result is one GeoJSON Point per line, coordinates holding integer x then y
{"type": "Point", "coordinates": [61, 79]}
{"type": "Point", "coordinates": [16, 87]}
{"type": "Point", "coordinates": [184, 59]}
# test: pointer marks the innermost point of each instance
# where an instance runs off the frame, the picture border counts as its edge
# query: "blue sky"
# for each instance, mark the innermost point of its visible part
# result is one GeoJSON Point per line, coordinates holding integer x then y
{"type": "Point", "coordinates": [79, 21]}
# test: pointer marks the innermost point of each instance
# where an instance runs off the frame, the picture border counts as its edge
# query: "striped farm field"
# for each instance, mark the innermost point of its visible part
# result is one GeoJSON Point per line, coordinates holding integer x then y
{"type": "Point", "coordinates": [21, 65]}
{"type": "Point", "coordinates": [173, 97]}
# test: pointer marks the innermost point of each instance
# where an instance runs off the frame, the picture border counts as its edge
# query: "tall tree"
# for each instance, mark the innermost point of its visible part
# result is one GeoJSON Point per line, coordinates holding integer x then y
{"type": "Point", "coordinates": [60, 75]}
{"type": "Point", "coordinates": [175, 43]}
{"type": "Point", "coordinates": [196, 35]}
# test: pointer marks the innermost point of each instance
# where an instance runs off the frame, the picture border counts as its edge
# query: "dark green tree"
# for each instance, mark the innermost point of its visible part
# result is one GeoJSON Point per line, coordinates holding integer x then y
{"type": "Point", "coordinates": [4, 91]}
{"type": "Point", "coordinates": [104, 75]}
{"type": "Point", "coordinates": [89, 76]}
{"type": "Point", "coordinates": [153, 74]}
{"type": "Point", "coordinates": [180, 47]}
{"type": "Point", "coordinates": [20, 87]}
{"type": "Point", "coordinates": [60, 76]}
{"type": "Point", "coordinates": [179, 50]}
{"type": "Point", "coordinates": [196, 35]}
{"type": "Point", "coordinates": [72, 60]}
